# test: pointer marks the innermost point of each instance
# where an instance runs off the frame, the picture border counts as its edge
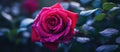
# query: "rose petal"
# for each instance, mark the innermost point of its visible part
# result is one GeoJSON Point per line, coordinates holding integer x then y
{"type": "Point", "coordinates": [63, 33]}
{"type": "Point", "coordinates": [44, 17]}
{"type": "Point", "coordinates": [68, 27]}
{"type": "Point", "coordinates": [41, 12]}
{"type": "Point", "coordinates": [74, 18]}
{"type": "Point", "coordinates": [58, 28]}
{"type": "Point", "coordinates": [40, 30]}
{"type": "Point", "coordinates": [57, 5]}
{"type": "Point", "coordinates": [53, 46]}
{"type": "Point", "coordinates": [35, 36]}
{"type": "Point", "coordinates": [60, 15]}
{"type": "Point", "coordinates": [68, 37]}
{"type": "Point", "coordinates": [54, 37]}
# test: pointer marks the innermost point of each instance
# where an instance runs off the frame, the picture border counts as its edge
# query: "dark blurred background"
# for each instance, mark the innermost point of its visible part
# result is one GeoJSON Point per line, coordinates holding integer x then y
{"type": "Point", "coordinates": [98, 26]}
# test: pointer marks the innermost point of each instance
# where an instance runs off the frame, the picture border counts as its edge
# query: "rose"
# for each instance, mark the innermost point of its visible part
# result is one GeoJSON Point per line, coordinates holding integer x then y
{"type": "Point", "coordinates": [54, 25]}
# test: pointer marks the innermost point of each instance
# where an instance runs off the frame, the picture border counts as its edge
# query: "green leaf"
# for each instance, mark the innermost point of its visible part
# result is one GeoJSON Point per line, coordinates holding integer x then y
{"type": "Point", "coordinates": [103, 1]}
{"type": "Point", "coordinates": [77, 47]}
{"type": "Point", "coordinates": [81, 20]}
{"type": "Point", "coordinates": [18, 41]}
{"type": "Point", "coordinates": [14, 32]}
{"type": "Point", "coordinates": [100, 17]}
{"type": "Point", "coordinates": [108, 6]}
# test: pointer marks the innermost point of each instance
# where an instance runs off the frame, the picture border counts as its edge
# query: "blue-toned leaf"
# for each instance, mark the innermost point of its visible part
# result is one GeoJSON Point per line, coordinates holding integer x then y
{"type": "Point", "coordinates": [21, 30]}
{"type": "Point", "coordinates": [90, 21]}
{"type": "Point", "coordinates": [107, 48]}
{"type": "Point", "coordinates": [26, 34]}
{"type": "Point", "coordinates": [88, 12]}
{"type": "Point", "coordinates": [84, 1]}
{"type": "Point", "coordinates": [82, 39]}
{"type": "Point", "coordinates": [67, 47]}
{"type": "Point", "coordinates": [87, 28]}
{"type": "Point", "coordinates": [75, 4]}
{"type": "Point", "coordinates": [4, 31]}
{"type": "Point", "coordinates": [25, 22]}
{"type": "Point", "coordinates": [117, 40]}
{"type": "Point", "coordinates": [6, 16]}
{"type": "Point", "coordinates": [96, 3]}
{"type": "Point", "coordinates": [16, 9]}
{"type": "Point", "coordinates": [114, 11]}
{"type": "Point", "coordinates": [39, 44]}
{"type": "Point", "coordinates": [109, 32]}
{"type": "Point", "coordinates": [76, 30]}
{"type": "Point", "coordinates": [65, 5]}
{"type": "Point", "coordinates": [75, 7]}
{"type": "Point", "coordinates": [1, 33]}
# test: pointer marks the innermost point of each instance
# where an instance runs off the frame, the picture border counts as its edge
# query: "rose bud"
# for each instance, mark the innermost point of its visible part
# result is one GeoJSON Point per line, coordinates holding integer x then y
{"type": "Point", "coordinates": [30, 6]}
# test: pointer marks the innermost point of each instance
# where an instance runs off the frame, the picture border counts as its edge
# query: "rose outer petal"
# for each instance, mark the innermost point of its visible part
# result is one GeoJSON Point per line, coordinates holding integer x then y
{"type": "Point", "coordinates": [74, 18]}
{"type": "Point", "coordinates": [53, 46]}
{"type": "Point", "coordinates": [35, 36]}
{"type": "Point", "coordinates": [37, 19]}
{"type": "Point", "coordinates": [57, 5]}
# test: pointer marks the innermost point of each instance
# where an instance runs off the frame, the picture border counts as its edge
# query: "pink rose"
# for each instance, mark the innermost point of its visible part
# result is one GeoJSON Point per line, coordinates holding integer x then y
{"type": "Point", "coordinates": [54, 25]}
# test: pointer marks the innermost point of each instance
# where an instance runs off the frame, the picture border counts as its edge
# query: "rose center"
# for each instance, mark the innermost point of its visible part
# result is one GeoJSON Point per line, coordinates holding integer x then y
{"type": "Point", "coordinates": [52, 21]}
